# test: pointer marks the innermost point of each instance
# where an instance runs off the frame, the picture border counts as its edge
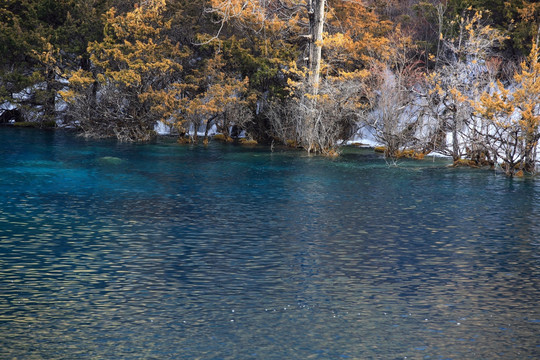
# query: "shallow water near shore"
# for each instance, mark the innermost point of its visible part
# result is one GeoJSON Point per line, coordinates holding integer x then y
{"type": "Point", "coordinates": [167, 251]}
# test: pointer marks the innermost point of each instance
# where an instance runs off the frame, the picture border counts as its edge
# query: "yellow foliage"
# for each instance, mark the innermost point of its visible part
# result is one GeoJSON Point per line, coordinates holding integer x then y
{"type": "Point", "coordinates": [502, 104]}
{"type": "Point", "coordinates": [81, 78]}
{"type": "Point", "coordinates": [69, 96]}
{"type": "Point", "coordinates": [136, 50]}
{"type": "Point", "coordinates": [137, 57]}
{"type": "Point", "coordinates": [515, 116]}
{"type": "Point", "coordinates": [208, 92]}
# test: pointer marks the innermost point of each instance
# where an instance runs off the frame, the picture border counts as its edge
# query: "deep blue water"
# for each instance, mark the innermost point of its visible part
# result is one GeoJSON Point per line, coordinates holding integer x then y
{"type": "Point", "coordinates": [167, 251]}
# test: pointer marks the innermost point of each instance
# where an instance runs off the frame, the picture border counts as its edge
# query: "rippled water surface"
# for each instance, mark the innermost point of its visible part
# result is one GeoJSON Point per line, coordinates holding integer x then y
{"type": "Point", "coordinates": [165, 251]}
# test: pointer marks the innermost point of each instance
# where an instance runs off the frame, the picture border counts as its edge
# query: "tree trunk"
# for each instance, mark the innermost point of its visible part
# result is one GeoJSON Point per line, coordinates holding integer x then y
{"type": "Point", "coordinates": [455, 145]}
{"type": "Point", "coordinates": [50, 94]}
{"type": "Point", "coordinates": [455, 140]}
{"type": "Point", "coordinates": [316, 24]}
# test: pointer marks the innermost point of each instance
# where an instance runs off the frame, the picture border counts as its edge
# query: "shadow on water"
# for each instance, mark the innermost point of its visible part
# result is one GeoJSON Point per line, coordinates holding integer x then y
{"type": "Point", "coordinates": [164, 251]}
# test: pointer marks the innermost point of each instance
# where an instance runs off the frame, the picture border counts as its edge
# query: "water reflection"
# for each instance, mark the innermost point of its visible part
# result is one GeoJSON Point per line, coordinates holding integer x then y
{"type": "Point", "coordinates": [226, 253]}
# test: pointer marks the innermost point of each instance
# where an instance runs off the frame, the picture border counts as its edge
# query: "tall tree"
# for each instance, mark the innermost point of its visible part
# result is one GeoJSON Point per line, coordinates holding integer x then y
{"type": "Point", "coordinates": [518, 18]}
{"type": "Point", "coordinates": [40, 40]}
{"type": "Point", "coordinates": [133, 70]}
{"type": "Point", "coordinates": [316, 11]}
{"type": "Point", "coordinates": [513, 117]}
{"type": "Point", "coordinates": [337, 41]}
{"type": "Point", "coordinates": [458, 79]}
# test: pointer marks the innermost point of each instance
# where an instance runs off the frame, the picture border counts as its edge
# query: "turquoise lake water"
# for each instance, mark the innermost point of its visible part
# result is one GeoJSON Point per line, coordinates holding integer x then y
{"type": "Point", "coordinates": [167, 251]}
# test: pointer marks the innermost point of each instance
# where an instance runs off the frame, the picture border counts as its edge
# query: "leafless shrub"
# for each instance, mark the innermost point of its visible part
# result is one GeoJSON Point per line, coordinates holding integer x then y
{"type": "Point", "coordinates": [110, 112]}
{"type": "Point", "coordinates": [395, 117]}
{"type": "Point", "coordinates": [317, 123]}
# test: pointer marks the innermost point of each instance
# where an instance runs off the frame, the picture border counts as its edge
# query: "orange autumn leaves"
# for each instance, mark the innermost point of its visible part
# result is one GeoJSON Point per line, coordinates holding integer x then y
{"type": "Point", "coordinates": [258, 45]}
{"type": "Point", "coordinates": [138, 59]}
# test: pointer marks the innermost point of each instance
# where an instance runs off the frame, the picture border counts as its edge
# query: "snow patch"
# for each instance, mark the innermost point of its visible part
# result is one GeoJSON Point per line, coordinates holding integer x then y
{"type": "Point", "coordinates": [162, 129]}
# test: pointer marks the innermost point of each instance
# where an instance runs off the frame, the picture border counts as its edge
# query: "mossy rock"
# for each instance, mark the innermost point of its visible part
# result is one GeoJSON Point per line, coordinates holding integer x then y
{"type": "Point", "coordinates": [249, 142]}
{"type": "Point", "coordinates": [465, 162]}
{"type": "Point", "coordinates": [26, 124]}
{"type": "Point", "coordinates": [291, 143]}
{"type": "Point", "coordinates": [405, 154]}
{"type": "Point", "coordinates": [48, 124]}
{"type": "Point", "coordinates": [332, 153]}
{"type": "Point", "coordinates": [184, 140]}
{"type": "Point", "coordinates": [411, 154]}
{"type": "Point", "coordinates": [110, 160]}
{"type": "Point", "coordinates": [222, 137]}
{"type": "Point", "coordinates": [34, 124]}
{"type": "Point", "coordinates": [399, 154]}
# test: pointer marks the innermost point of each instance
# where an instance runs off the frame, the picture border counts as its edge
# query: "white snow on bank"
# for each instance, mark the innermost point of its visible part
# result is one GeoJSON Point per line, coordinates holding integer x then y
{"type": "Point", "coordinates": [364, 138]}
{"type": "Point", "coordinates": [6, 105]}
{"type": "Point", "coordinates": [362, 142]}
{"type": "Point", "coordinates": [162, 129]}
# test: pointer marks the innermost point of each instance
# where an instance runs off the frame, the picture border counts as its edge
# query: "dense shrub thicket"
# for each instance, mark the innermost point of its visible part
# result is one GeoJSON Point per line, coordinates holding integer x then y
{"type": "Point", "coordinates": [456, 77]}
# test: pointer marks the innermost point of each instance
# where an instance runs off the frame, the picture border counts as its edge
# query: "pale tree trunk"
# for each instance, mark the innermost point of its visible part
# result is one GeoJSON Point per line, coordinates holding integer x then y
{"type": "Point", "coordinates": [310, 129]}
{"type": "Point", "coordinates": [316, 24]}
{"type": "Point", "coordinates": [50, 94]}
{"type": "Point", "coordinates": [455, 140]}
